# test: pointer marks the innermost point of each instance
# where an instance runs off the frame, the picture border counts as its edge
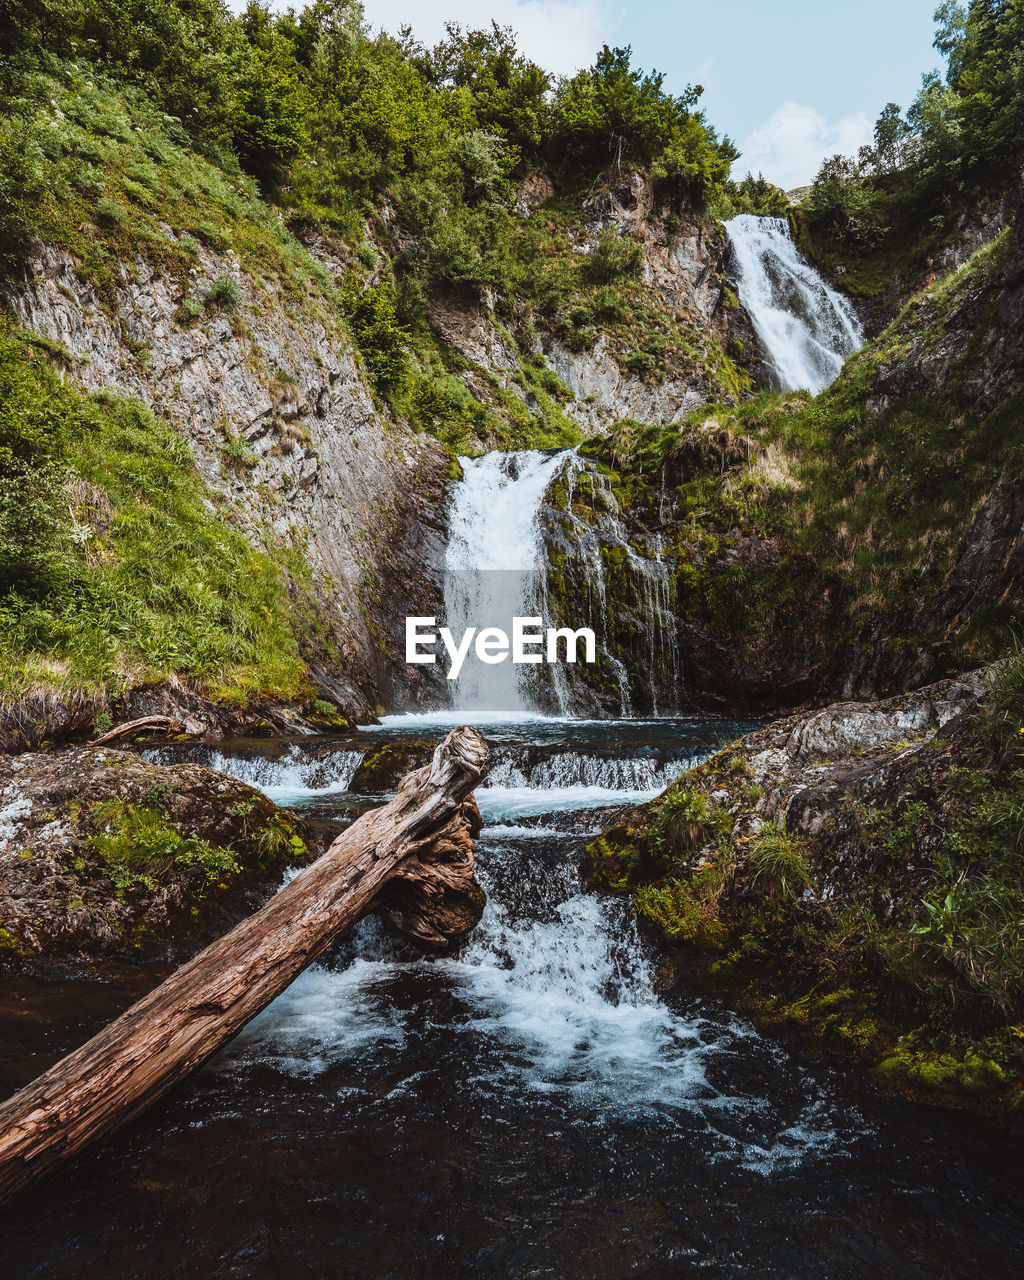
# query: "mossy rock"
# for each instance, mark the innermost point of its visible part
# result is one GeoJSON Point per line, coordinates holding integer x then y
{"type": "Point", "coordinates": [111, 855]}
{"type": "Point", "coordinates": [382, 771]}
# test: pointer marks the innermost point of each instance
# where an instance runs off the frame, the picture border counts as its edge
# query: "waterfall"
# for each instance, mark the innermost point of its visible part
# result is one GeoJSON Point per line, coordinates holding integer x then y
{"type": "Point", "coordinates": [494, 568]}
{"type": "Point", "coordinates": [807, 328]}
{"type": "Point", "coordinates": [640, 603]}
{"type": "Point", "coordinates": [295, 774]}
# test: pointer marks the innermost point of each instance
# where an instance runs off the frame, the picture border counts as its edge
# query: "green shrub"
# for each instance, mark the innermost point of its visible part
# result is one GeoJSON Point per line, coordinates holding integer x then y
{"type": "Point", "coordinates": [639, 362]}
{"type": "Point", "coordinates": [224, 292]}
{"type": "Point", "coordinates": [614, 256]}
{"type": "Point", "coordinates": [373, 323]}
{"type": "Point", "coordinates": [776, 861]}
{"type": "Point", "coordinates": [138, 848]}
{"type": "Point", "coordinates": [188, 312]}
{"type": "Point", "coordinates": [110, 212]}
{"type": "Point", "coordinates": [685, 821]}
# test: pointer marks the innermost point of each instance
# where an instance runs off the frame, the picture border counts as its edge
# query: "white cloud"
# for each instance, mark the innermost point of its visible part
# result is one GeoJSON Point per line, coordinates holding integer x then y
{"type": "Point", "coordinates": [560, 35]}
{"type": "Point", "coordinates": [789, 147]}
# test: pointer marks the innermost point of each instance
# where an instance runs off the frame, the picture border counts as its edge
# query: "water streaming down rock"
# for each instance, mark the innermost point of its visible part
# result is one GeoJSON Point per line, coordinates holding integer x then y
{"type": "Point", "coordinates": [494, 567]}
{"type": "Point", "coordinates": [634, 771]}
{"type": "Point", "coordinates": [806, 327]}
{"type": "Point", "coordinates": [640, 621]}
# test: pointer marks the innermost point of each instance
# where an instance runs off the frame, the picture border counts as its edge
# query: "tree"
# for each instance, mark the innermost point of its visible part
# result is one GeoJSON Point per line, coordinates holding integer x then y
{"type": "Point", "coordinates": [613, 110]}
{"type": "Point", "coordinates": [507, 90]}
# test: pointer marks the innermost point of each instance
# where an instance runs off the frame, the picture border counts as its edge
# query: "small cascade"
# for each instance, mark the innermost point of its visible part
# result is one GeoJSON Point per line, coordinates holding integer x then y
{"type": "Point", "coordinates": [640, 620]}
{"type": "Point", "coordinates": [806, 327]}
{"type": "Point", "coordinates": [292, 776]}
{"type": "Point", "coordinates": [637, 772]}
{"type": "Point", "coordinates": [553, 997]}
{"type": "Point", "coordinates": [494, 566]}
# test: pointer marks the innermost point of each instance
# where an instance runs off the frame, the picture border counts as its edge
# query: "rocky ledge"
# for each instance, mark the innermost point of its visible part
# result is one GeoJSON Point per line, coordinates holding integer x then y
{"type": "Point", "coordinates": [49, 716]}
{"type": "Point", "coordinates": [830, 873]}
{"type": "Point", "coordinates": [105, 855]}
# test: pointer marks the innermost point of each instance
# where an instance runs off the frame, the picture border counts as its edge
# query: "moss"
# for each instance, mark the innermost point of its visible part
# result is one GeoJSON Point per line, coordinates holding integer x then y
{"type": "Point", "coordinates": [685, 911]}
{"type": "Point", "coordinates": [139, 848]}
{"type": "Point", "coordinates": [13, 947]}
{"type": "Point", "coordinates": [136, 575]}
{"type": "Point", "coordinates": [382, 770]}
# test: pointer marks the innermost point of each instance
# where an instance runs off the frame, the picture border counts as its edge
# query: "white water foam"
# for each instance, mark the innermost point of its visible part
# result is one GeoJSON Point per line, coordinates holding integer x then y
{"type": "Point", "coordinates": [285, 779]}
{"type": "Point", "coordinates": [806, 327]}
{"type": "Point", "coordinates": [493, 565]}
{"type": "Point", "coordinates": [558, 1001]}
{"type": "Point", "coordinates": [628, 772]}
{"type": "Point", "coordinates": [500, 803]}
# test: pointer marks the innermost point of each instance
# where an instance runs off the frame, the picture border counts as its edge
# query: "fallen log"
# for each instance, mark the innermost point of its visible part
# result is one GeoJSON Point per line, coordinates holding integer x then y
{"type": "Point", "coordinates": [151, 724]}
{"type": "Point", "coordinates": [411, 859]}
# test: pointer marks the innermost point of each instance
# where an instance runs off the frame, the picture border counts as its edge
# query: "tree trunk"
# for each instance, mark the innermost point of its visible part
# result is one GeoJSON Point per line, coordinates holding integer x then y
{"type": "Point", "coordinates": [412, 859]}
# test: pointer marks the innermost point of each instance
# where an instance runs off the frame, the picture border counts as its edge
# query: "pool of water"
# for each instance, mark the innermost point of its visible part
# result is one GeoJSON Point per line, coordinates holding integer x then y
{"type": "Point", "coordinates": [530, 1106]}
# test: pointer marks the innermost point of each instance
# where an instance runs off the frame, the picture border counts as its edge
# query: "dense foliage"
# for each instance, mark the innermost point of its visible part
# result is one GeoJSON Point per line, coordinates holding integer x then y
{"type": "Point", "coordinates": [900, 196]}
{"type": "Point", "coordinates": [329, 115]}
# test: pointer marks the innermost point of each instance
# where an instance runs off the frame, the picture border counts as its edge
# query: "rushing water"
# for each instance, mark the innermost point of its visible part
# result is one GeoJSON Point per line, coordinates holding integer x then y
{"type": "Point", "coordinates": [494, 566]}
{"type": "Point", "coordinates": [806, 327]}
{"type": "Point", "coordinates": [532, 1105]}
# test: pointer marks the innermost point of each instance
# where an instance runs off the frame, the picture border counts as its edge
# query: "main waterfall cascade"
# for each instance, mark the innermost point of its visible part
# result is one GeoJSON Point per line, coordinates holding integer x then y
{"type": "Point", "coordinates": [806, 327]}
{"type": "Point", "coordinates": [501, 531]}
{"type": "Point", "coordinates": [494, 568]}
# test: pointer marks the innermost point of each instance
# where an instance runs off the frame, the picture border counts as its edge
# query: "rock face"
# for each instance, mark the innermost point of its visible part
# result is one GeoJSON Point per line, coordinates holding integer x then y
{"type": "Point", "coordinates": [807, 765]}
{"type": "Point", "coordinates": [103, 854]}
{"type": "Point", "coordinates": [274, 406]}
{"type": "Point", "coordinates": [691, 610]}
{"type": "Point", "coordinates": [975, 347]}
{"type": "Point", "coordinates": [685, 267]}
{"type": "Point", "coordinates": [791, 873]}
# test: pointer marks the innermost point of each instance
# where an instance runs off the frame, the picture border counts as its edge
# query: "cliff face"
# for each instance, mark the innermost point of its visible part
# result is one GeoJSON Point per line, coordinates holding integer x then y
{"type": "Point", "coordinates": [683, 303]}
{"type": "Point", "coordinates": [284, 431]}
{"type": "Point", "coordinates": [853, 546]}
{"type": "Point", "coordinates": [686, 268]}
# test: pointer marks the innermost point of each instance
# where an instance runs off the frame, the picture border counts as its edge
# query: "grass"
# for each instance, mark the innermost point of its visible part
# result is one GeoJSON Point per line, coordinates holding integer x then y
{"type": "Point", "coordinates": [776, 862]}
{"type": "Point", "coordinates": [139, 849]}
{"type": "Point", "coordinates": [113, 571]}
{"type": "Point", "coordinates": [106, 177]}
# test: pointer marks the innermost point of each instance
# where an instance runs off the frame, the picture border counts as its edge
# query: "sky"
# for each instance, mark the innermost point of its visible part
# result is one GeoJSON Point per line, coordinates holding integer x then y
{"type": "Point", "coordinates": [791, 81]}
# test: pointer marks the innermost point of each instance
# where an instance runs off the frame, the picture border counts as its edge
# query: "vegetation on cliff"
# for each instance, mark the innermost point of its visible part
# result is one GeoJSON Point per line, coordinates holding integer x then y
{"type": "Point", "coordinates": [844, 522]}
{"type": "Point", "coordinates": [889, 211]}
{"type": "Point", "coordinates": [113, 569]}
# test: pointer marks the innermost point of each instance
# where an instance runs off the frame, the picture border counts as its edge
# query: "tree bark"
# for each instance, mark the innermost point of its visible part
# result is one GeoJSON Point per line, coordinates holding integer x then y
{"type": "Point", "coordinates": [163, 724]}
{"type": "Point", "coordinates": [412, 859]}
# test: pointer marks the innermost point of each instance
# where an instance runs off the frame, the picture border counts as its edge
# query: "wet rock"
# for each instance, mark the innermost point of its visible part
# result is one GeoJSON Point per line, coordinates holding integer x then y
{"type": "Point", "coordinates": [382, 770]}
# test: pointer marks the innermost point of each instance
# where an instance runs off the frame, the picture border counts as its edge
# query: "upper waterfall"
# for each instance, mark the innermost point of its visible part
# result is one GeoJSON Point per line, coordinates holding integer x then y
{"type": "Point", "coordinates": [494, 567]}
{"type": "Point", "coordinates": [806, 327]}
